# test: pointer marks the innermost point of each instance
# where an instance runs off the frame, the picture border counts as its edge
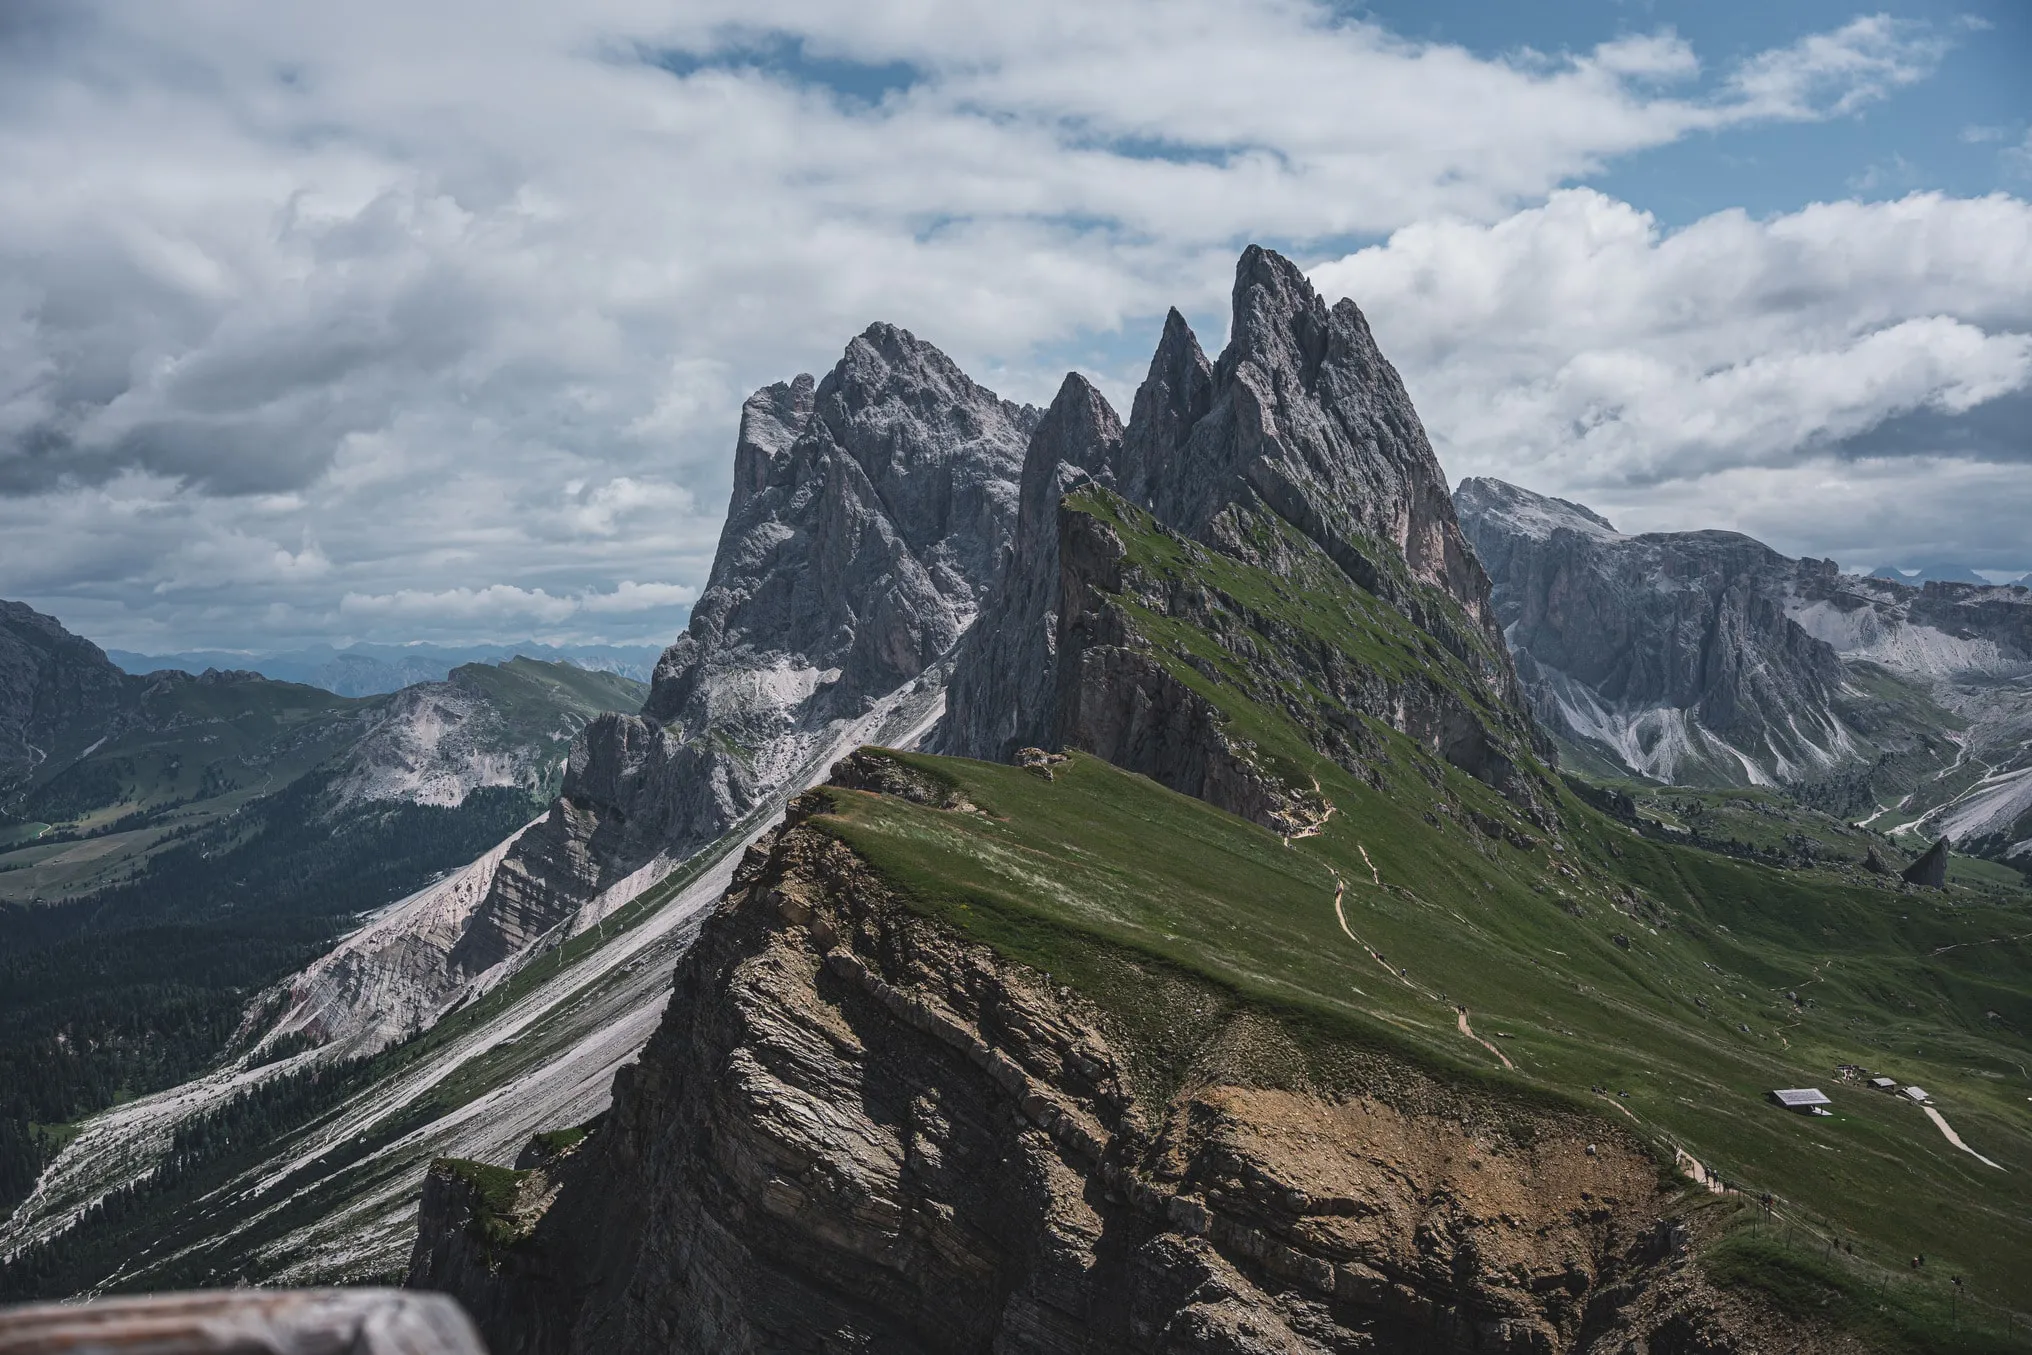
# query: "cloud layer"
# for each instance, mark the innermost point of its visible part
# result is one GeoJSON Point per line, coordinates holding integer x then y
{"type": "Point", "coordinates": [1833, 379]}
{"type": "Point", "coordinates": [403, 321]}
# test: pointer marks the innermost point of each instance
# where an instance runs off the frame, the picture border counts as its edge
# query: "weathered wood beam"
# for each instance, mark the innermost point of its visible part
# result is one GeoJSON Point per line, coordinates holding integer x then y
{"type": "Point", "coordinates": [245, 1322]}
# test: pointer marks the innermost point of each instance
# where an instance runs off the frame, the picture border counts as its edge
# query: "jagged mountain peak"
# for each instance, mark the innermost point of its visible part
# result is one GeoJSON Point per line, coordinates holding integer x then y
{"type": "Point", "coordinates": [869, 512]}
{"type": "Point", "coordinates": [1081, 430]}
{"type": "Point", "coordinates": [771, 420]}
{"type": "Point", "coordinates": [1301, 415]}
{"type": "Point", "coordinates": [1296, 451]}
{"type": "Point", "coordinates": [1527, 513]}
{"type": "Point", "coordinates": [1004, 682]}
{"type": "Point", "coordinates": [1279, 320]}
{"type": "Point", "coordinates": [1175, 394]}
{"type": "Point", "coordinates": [894, 466]}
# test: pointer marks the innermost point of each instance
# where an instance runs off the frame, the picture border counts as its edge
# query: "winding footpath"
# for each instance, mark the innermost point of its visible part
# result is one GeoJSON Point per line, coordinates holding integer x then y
{"type": "Point", "coordinates": [1341, 916]}
{"type": "Point", "coordinates": [1461, 1014]}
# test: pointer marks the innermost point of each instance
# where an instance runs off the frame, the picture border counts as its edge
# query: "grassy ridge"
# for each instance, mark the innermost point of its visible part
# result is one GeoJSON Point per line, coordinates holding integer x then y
{"type": "Point", "coordinates": [1616, 962]}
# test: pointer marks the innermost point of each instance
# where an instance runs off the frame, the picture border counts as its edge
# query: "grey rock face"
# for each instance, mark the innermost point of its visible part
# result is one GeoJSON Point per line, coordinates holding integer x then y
{"type": "Point", "coordinates": [869, 512]}
{"type": "Point", "coordinates": [862, 544]}
{"type": "Point", "coordinates": [1708, 658]}
{"type": "Point", "coordinates": [1002, 695]}
{"type": "Point", "coordinates": [1671, 649]}
{"type": "Point", "coordinates": [1301, 427]}
{"type": "Point", "coordinates": [1307, 419]}
{"type": "Point", "coordinates": [1929, 870]}
{"type": "Point", "coordinates": [1114, 700]}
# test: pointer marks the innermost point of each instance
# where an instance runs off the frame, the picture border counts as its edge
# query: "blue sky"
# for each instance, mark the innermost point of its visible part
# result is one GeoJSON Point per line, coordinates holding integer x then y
{"type": "Point", "coordinates": [1920, 139]}
{"type": "Point", "coordinates": [431, 320]}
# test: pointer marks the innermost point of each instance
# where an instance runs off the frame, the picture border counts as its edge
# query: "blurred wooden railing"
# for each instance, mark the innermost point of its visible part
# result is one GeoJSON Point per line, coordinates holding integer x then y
{"type": "Point", "coordinates": [245, 1322]}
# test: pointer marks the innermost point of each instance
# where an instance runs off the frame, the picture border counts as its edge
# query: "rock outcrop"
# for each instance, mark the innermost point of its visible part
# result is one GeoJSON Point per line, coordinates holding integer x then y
{"type": "Point", "coordinates": [857, 1129]}
{"type": "Point", "coordinates": [1930, 870]}
{"type": "Point", "coordinates": [1004, 693]}
{"type": "Point", "coordinates": [1299, 440]}
{"type": "Point", "coordinates": [868, 514]}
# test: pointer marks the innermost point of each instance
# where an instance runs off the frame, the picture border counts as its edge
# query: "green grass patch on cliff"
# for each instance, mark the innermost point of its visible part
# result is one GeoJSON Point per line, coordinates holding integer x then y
{"type": "Point", "coordinates": [1147, 902]}
{"type": "Point", "coordinates": [495, 1194]}
{"type": "Point", "coordinates": [1667, 988]}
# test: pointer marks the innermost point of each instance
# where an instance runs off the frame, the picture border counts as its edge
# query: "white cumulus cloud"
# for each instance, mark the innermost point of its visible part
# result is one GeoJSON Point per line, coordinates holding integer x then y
{"type": "Point", "coordinates": [1677, 378]}
{"type": "Point", "coordinates": [408, 320]}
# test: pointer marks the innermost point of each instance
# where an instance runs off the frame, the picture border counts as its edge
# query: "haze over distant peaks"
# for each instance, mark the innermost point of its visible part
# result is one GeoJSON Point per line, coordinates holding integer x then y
{"type": "Point", "coordinates": [371, 669]}
{"type": "Point", "coordinates": [1940, 572]}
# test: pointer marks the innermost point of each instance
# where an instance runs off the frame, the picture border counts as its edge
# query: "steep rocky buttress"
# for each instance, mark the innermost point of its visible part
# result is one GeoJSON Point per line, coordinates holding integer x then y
{"type": "Point", "coordinates": [857, 1129]}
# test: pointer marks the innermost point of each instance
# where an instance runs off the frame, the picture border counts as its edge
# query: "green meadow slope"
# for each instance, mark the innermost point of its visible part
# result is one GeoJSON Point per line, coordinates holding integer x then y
{"type": "Point", "coordinates": [1666, 987]}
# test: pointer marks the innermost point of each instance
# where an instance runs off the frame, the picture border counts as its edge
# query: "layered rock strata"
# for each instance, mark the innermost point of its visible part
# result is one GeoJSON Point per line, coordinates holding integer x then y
{"type": "Point", "coordinates": [858, 1129]}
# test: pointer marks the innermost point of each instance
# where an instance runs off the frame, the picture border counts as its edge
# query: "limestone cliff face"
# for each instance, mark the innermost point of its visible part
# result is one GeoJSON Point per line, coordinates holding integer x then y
{"type": "Point", "coordinates": [858, 1130]}
{"type": "Point", "coordinates": [1004, 694]}
{"type": "Point", "coordinates": [1673, 649]}
{"type": "Point", "coordinates": [868, 514]}
{"type": "Point", "coordinates": [1303, 432]}
{"type": "Point", "coordinates": [1707, 657]}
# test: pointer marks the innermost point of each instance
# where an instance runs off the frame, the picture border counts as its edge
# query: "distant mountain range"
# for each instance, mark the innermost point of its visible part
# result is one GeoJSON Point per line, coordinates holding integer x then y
{"type": "Point", "coordinates": [1709, 659]}
{"type": "Point", "coordinates": [170, 841]}
{"type": "Point", "coordinates": [369, 669]}
{"type": "Point", "coordinates": [1916, 575]}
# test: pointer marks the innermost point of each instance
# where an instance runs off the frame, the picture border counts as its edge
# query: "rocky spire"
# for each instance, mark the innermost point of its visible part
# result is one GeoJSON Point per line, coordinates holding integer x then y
{"type": "Point", "coordinates": [1001, 695]}
{"type": "Point", "coordinates": [771, 420]}
{"type": "Point", "coordinates": [1309, 420]}
{"type": "Point", "coordinates": [859, 548]}
{"type": "Point", "coordinates": [1174, 396]}
{"type": "Point", "coordinates": [1302, 422]}
{"type": "Point", "coordinates": [869, 512]}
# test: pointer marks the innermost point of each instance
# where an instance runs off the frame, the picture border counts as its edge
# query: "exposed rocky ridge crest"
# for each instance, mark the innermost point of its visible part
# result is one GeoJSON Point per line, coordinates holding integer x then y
{"type": "Point", "coordinates": [868, 511]}
{"type": "Point", "coordinates": [1300, 438]}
